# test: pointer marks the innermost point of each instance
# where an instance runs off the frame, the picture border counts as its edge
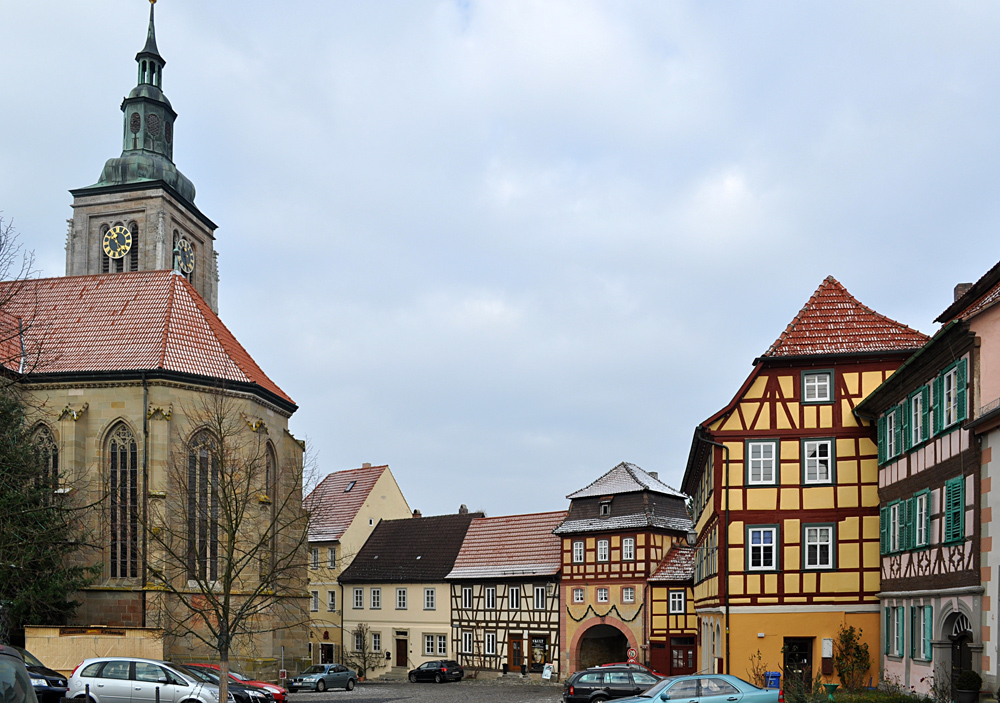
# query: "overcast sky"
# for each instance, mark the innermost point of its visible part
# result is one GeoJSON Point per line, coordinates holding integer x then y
{"type": "Point", "coordinates": [503, 246]}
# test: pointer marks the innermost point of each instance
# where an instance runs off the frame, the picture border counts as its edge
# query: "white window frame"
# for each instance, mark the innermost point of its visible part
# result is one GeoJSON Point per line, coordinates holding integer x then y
{"type": "Point", "coordinates": [949, 400]}
{"type": "Point", "coordinates": [895, 525]}
{"type": "Point", "coordinates": [921, 504]}
{"type": "Point", "coordinates": [490, 645]}
{"type": "Point", "coordinates": [430, 599]}
{"type": "Point", "coordinates": [605, 508]}
{"type": "Point", "coordinates": [602, 550]}
{"type": "Point", "coordinates": [539, 598]}
{"type": "Point", "coordinates": [628, 594]}
{"type": "Point", "coordinates": [602, 595]}
{"type": "Point", "coordinates": [514, 597]}
{"type": "Point", "coordinates": [818, 536]}
{"type": "Point", "coordinates": [579, 595]}
{"type": "Point", "coordinates": [358, 642]}
{"type": "Point", "coordinates": [331, 601]}
{"type": "Point", "coordinates": [467, 642]}
{"type": "Point", "coordinates": [815, 444]}
{"type": "Point", "coordinates": [332, 556]}
{"type": "Point", "coordinates": [313, 601]}
{"type": "Point", "coordinates": [429, 645]}
{"type": "Point", "coordinates": [891, 449]}
{"type": "Point", "coordinates": [376, 599]}
{"type": "Point", "coordinates": [678, 604]}
{"type": "Point", "coordinates": [898, 629]}
{"type": "Point", "coordinates": [376, 641]}
{"type": "Point", "coordinates": [765, 466]}
{"type": "Point", "coordinates": [577, 552]}
{"type": "Point", "coordinates": [359, 599]}
{"type": "Point", "coordinates": [442, 645]}
{"type": "Point", "coordinates": [314, 560]}
{"type": "Point", "coordinates": [919, 628]}
{"type": "Point", "coordinates": [811, 382]}
{"type": "Point", "coordinates": [400, 599]}
{"type": "Point", "coordinates": [916, 419]}
{"type": "Point", "coordinates": [467, 597]}
{"type": "Point", "coordinates": [628, 548]}
{"type": "Point", "coordinates": [490, 598]}
{"type": "Point", "coordinates": [763, 547]}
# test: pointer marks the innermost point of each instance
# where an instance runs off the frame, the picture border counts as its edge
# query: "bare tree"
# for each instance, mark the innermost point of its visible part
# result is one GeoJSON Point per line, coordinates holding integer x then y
{"type": "Point", "coordinates": [361, 655]}
{"type": "Point", "coordinates": [228, 540]}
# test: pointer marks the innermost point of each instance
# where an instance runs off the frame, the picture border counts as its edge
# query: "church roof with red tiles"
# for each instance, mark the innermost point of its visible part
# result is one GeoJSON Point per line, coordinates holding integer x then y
{"type": "Point", "coordinates": [128, 322]}
{"type": "Point", "coordinates": [335, 502]}
{"type": "Point", "coordinates": [509, 546]}
{"type": "Point", "coordinates": [834, 322]}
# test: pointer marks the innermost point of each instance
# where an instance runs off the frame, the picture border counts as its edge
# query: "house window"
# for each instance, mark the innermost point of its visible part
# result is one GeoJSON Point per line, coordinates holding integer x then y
{"type": "Point", "coordinates": [430, 599]}
{"type": "Point", "coordinates": [376, 598]}
{"type": "Point", "coordinates": [895, 524]}
{"type": "Point", "coordinates": [818, 541]}
{"type": "Point", "coordinates": [578, 595]}
{"type": "Point", "coordinates": [491, 643]}
{"type": "Point", "coordinates": [954, 510]}
{"type": "Point", "coordinates": [359, 642]}
{"type": "Point", "coordinates": [628, 594]}
{"type": "Point", "coordinates": [628, 549]}
{"type": "Point", "coordinates": [400, 599]}
{"type": "Point", "coordinates": [466, 643]}
{"type": "Point", "coordinates": [897, 639]}
{"type": "Point", "coordinates": [332, 556]}
{"type": "Point", "coordinates": [314, 601]}
{"type": "Point", "coordinates": [818, 457]}
{"type": "Point", "coordinates": [763, 542]}
{"type": "Point", "coordinates": [314, 558]}
{"type": "Point", "coordinates": [123, 515]}
{"type": "Point", "coordinates": [429, 645]}
{"type": "Point", "coordinates": [331, 601]}
{"type": "Point", "coordinates": [602, 550]}
{"type": "Point", "coordinates": [376, 641]}
{"type": "Point", "coordinates": [816, 387]}
{"type": "Point", "coordinates": [203, 508]}
{"type": "Point", "coordinates": [921, 631]}
{"type": "Point", "coordinates": [515, 597]}
{"type": "Point", "coordinates": [442, 645]}
{"type": "Point", "coordinates": [359, 598]}
{"type": "Point", "coordinates": [950, 399]}
{"type": "Point", "coordinates": [539, 597]}
{"type": "Point", "coordinates": [605, 508]}
{"type": "Point", "coordinates": [918, 418]}
{"type": "Point", "coordinates": [491, 598]}
{"type": "Point", "coordinates": [466, 597]}
{"type": "Point", "coordinates": [677, 602]}
{"type": "Point", "coordinates": [578, 552]}
{"type": "Point", "coordinates": [921, 520]}
{"type": "Point", "coordinates": [891, 434]}
{"type": "Point", "coordinates": [762, 463]}
{"type": "Point", "coordinates": [602, 595]}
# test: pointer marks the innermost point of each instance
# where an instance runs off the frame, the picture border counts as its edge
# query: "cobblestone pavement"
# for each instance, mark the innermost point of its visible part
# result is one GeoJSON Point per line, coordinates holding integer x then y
{"type": "Point", "coordinates": [464, 691]}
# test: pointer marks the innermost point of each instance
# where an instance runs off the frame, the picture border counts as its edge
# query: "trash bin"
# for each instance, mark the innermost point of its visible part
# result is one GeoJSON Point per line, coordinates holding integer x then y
{"type": "Point", "coordinates": [772, 679]}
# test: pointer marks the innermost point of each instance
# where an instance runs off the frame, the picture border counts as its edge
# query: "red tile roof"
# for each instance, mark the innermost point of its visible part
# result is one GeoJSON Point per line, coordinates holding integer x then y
{"type": "Point", "coordinates": [333, 506]}
{"type": "Point", "coordinates": [834, 322]}
{"type": "Point", "coordinates": [678, 565]}
{"type": "Point", "coordinates": [982, 294]}
{"type": "Point", "coordinates": [139, 321]}
{"type": "Point", "coordinates": [512, 545]}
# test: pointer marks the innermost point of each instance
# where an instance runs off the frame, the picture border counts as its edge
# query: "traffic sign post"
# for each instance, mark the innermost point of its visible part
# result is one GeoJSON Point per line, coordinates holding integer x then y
{"type": "Point", "coordinates": [632, 654]}
{"type": "Point", "coordinates": [282, 674]}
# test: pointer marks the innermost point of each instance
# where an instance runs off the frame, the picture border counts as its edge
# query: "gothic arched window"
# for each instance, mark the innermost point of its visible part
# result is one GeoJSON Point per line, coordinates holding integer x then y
{"type": "Point", "coordinates": [123, 491]}
{"type": "Point", "coordinates": [203, 508]}
{"type": "Point", "coordinates": [48, 453]}
{"type": "Point", "coordinates": [269, 512]}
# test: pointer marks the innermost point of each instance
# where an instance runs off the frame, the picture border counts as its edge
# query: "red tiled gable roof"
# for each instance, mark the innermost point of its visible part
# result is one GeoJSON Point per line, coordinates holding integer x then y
{"type": "Point", "coordinates": [678, 565]}
{"type": "Point", "coordinates": [512, 545]}
{"type": "Point", "coordinates": [984, 293]}
{"type": "Point", "coordinates": [139, 321]}
{"type": "Point", "coordinates": [834, 322]}
{"type": "Point", "coordinates": [333, 507]}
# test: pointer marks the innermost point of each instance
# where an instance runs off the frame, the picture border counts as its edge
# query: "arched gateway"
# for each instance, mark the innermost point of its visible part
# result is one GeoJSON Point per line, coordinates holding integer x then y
{"type": "Point", "coordinates": [601, 644]}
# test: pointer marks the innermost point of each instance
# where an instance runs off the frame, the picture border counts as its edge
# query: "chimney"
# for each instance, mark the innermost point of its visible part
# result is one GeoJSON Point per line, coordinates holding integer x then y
{"type": "Point", "coordinates": [654, 474]}
{"type": "Point", "coordinates": [463, 509]}
{"type": "Point", "coordinates": [961, 289]}
{"type": "Point", "coordinates": [416, 513]}
{"type": "Point", "coordinates": [366, 465]}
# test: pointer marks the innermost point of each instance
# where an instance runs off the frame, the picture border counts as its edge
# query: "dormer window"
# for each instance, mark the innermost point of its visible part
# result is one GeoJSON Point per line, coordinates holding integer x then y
{"type": "Point", "coordinates": [605, 508]}
{"type": "Point", "coordinates": [349, 486]}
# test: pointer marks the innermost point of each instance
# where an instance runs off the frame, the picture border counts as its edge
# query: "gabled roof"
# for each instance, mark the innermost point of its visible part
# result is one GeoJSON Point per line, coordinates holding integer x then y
{"type": "Point", "coordinates": [335, 502]}
{"type": "Point", "coordinates": [625, 478]}
{"type": "Point", "coordinates": [634, 521]}
{"type": "Point", "coordinates": [834, 322]}
{"type": "Point", "coordinates": [128, 322]}
{"type": "Point", "coordinates": [983, 294]}
{"type": "Point", "coordinates": [678, 565]}
{"type": "Point", "coordinates": [412, 550]}
{"type": "Point", "coordinates": [512, 545]}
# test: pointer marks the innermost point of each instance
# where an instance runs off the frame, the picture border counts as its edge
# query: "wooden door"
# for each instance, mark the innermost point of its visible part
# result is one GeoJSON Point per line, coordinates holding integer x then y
{"type": "Point", "coordinates": [798, 659]}
{"type": "Point", "coordinates": [515, 653]}
{"type": "Point", "coordinates": [682, 653]}
{"type": "Point", "coordinates": [401, 653]}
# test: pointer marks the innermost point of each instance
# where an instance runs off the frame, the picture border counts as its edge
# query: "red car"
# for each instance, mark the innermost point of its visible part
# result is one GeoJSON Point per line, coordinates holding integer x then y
{"type": "Point", "coordinates": [280, 694]}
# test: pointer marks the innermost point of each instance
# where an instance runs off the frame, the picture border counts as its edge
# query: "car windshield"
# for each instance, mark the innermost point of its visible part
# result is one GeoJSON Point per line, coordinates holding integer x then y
{"type": "Point", "coordinates": [15, 684]}
{"type": "Point", "coordinates": [238, 676]}
{"type": "Point", "coordinates": [315, 670]}
{"type": "Point", "coordinates": [29, 658]}
{"type": "Point", "coordinates": [198, 673]}
{"type": "Point", "coordinates": [654, 690]}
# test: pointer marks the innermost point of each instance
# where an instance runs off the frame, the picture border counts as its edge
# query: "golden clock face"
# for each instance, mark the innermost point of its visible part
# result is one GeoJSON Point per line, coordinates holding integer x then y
{"type": "Point", "coordinates": [117, 242]}
{"type": "Point", "coordinates": [186, 256]}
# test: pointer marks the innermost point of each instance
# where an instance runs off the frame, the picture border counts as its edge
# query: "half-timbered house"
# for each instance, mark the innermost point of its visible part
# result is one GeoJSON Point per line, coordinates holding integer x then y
{"type": "Point", "coordinates": [617, 531]}
{"type": "Point", "coordinates": [505, 595]}
{"type": "Point", "coordinates": [673, 631]}
{"type": "Point", "coordinates": [784, 481]}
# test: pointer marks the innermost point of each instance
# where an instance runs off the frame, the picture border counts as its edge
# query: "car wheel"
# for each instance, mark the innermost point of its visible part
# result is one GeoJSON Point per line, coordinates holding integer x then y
{"type": "Point", "coordinates": [350, 684]}
{"type": "Point", "coordinates": [320, 686]}
{"type": "Point", "coordinates": [437, 678]}
{"type": "Point", "coordinates": [413, 678]}
{"type": "Point", "coordinates": [598, 699]}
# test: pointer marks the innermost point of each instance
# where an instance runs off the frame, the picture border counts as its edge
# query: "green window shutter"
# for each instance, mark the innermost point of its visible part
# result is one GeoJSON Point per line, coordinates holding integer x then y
{"type": "Point", "coordinates": [881, 439]}
{"type": "Point", "coordinates": [938, 409]}
{"type": "Point", "coordinates": [910, 532]}
{"type": "Point", "coordinates": [887, 629]}
{"type": "Point", "coordinates": [913, 631]}
{"type": "Point", "coordinates": [907, 443]}
{"type": "Point", "coordinates": [899, 430]}
{"type": "Point", "coordinates": [954, 503]}
{"type": "Point", "coordinates": [928, 631]}
{"type": "Point", "coordinates": [925, 398]}
{"type": "Point", "coordinates": [962, 382]}
{"type": "Point", "coordinates": [883, 525]}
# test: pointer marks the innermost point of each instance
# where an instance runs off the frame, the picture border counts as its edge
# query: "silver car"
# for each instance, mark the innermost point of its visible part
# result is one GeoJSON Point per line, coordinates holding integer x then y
{"type": "Point", "coordinates": [134, 680]}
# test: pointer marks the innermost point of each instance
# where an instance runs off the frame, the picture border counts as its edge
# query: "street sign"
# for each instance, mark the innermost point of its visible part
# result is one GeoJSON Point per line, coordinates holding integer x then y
{"type": "Point", "coordinates": [632, 654]}
{"type": "Point", "coordinates": [282, 674]}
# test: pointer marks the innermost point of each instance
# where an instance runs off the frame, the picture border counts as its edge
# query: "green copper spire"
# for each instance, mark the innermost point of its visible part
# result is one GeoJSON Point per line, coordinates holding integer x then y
{"type": "Point", "coordinates": [148, 136]}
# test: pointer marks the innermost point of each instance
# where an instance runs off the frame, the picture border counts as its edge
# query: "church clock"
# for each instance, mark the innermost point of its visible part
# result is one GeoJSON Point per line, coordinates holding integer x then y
{"type": "Point", "coordinates": [185, 256]}
{"type": "Point", "coordinates": [117, 242]}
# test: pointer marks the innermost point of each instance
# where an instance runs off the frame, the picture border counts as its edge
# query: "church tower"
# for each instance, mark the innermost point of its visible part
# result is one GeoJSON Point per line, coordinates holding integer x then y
{"type": "Point", "coordinates": [140, 215]}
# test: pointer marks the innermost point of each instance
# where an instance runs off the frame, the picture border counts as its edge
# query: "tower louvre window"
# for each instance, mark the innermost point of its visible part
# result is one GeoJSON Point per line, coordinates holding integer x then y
{"type": "Point", "coordinates": [133, 255]}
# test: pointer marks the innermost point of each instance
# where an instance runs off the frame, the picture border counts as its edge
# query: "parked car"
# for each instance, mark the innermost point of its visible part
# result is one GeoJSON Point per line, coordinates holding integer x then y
{"type": "Point", "coordinates": [438, 671]}
{"type": "Point", "coordinates": [320, 677]}
{"type": "Point", "coordinates": [278, 692]}
{"type": "Point", "coordinates": [49, 684]}
{"type": "Point", "coordinates": [638, 667]}
{"type": "Point", "coordinates": [718, 687]}
{"type": "Point", "coordinates": [602, 683]}
{"type": "Point", "coordinates": [15, 681]}
{"type": "Point", "coordinates": [123, 679]}
{"type": "Point", "coordinates": [242, 693]}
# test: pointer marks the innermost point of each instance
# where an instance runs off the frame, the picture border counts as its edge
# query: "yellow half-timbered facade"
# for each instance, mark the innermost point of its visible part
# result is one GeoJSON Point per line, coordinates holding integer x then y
{"type": "Point", "coordinates": [784, 482]}
{"type": "Point", "coordinates": [673, 626]}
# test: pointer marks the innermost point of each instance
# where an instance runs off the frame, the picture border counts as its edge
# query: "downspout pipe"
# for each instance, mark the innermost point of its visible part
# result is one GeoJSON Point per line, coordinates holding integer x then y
{"type": "Point", "coordinates": [145, 489]}
{"type": "Point", "coordinates": [726, 535]}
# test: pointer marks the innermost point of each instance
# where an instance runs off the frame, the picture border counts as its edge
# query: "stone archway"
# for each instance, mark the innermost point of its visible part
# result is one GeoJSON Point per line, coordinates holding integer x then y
{"type": "Point", "coordinates": [601, 644]}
